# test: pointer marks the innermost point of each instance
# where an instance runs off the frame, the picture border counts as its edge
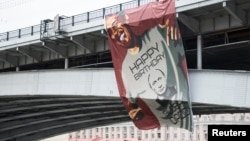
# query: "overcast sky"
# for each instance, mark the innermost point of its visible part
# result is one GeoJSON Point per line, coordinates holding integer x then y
{"type": "Point", "coordinates": [16, 14]}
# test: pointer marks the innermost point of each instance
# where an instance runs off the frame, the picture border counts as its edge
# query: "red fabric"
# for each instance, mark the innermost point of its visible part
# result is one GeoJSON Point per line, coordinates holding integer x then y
{"type": "Point", "coordinates": [139, 19]}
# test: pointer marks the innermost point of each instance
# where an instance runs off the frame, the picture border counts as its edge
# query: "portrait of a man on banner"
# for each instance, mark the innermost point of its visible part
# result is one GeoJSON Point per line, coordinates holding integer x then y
{"type": "Point", "coordinates": [150, 65]}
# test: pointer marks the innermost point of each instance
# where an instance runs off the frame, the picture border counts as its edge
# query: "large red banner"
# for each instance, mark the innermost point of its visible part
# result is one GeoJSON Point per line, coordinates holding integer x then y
{"type": "Point", "coordinates": [150, 65]}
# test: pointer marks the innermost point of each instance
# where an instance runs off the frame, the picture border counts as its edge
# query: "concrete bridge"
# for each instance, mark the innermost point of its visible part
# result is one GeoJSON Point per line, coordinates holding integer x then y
{"type": "Point", "coordinates": [57, 76]}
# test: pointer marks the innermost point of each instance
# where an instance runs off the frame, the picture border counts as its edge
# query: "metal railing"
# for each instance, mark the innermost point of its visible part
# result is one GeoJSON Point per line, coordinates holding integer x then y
{"type": "Point", "coordinates": [72, 21]}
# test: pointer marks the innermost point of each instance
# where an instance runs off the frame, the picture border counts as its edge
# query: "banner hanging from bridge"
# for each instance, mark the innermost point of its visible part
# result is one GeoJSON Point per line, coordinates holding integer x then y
{"type": "Point", "coordinates": [150, 65]}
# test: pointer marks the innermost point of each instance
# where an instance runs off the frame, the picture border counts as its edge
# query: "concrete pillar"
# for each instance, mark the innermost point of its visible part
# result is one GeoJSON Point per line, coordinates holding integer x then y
{"type": "Point", "coordinates": [66, 64]}
{"type": "Point", "coordinates": [199, 52]}
{"type": "Point", "coordinates": [17, 69]}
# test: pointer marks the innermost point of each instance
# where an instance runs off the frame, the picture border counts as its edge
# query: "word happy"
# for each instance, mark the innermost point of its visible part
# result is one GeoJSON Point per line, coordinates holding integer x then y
{"type": "Point", "coordinates": [146, 62]}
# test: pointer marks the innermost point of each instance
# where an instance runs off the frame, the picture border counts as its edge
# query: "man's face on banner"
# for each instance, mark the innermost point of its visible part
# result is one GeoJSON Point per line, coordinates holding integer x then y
{"type": "Point", "coordinates": [118, 32]}
{"type": "Point", "coordinates": [157, 82]}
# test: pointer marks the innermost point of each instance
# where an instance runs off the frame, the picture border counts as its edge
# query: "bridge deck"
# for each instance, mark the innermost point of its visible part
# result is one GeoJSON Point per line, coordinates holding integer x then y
{"type": "Point", "coordinates": [40, 104]}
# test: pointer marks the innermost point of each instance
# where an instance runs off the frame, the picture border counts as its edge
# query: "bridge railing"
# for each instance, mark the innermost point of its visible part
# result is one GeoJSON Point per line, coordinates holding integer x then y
{"type": "Point", "coordinates": [71, 21]}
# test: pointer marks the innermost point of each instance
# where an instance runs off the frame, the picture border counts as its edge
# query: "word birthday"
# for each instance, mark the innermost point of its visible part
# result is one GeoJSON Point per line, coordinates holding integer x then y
{"type": "Point", "coordinates": [146, 61]}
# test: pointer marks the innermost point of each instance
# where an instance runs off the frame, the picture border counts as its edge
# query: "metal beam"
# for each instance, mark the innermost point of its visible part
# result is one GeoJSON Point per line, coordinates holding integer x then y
{"type": "Point", "coordinates": [104, 33]}
{"type": "Point", "coordinates": [236, 13]}
{"type": "Point", "coordinates": [79, 42]}
{"type": "Point", "coordinates": [9, 59]}
{"type": "Point", "coordinates": [27, 52]}
{"type": "Point", "coordinates": [190, 22]}
{"type": "Point", "coordinates": [52, 47]}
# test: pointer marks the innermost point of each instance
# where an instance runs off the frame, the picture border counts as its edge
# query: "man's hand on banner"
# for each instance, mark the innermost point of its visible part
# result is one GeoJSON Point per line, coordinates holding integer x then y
{"type": "Point", "coordinates": [172, 32]}
{"type": "Point", "coordinates": [136, 114]}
